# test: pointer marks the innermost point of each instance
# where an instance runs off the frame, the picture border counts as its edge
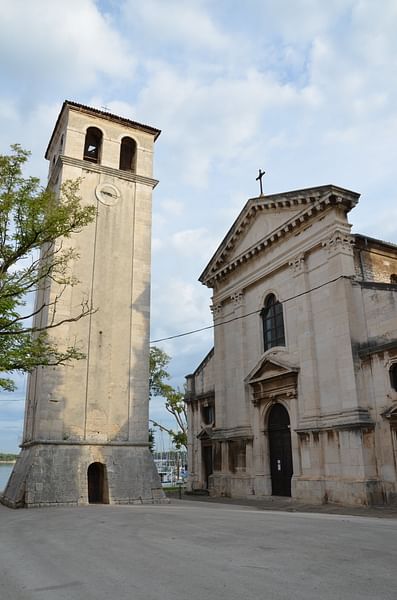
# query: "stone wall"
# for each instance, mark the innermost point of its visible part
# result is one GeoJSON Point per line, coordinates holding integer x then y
{"type": "Point", "coordinates": [48, 475]}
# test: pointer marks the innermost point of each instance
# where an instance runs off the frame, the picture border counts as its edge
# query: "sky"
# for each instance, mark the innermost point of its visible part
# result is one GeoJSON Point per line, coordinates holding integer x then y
{"type": "Point", "coordinates": [303, 89]}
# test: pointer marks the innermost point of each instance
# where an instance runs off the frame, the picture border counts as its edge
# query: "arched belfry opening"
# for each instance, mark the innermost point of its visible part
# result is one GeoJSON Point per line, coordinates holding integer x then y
{"type": "Point", "coordinates": [93, 145]}
{"type": "Point", "coordinates": [98, 489]}
{"type": "Point", "coordinates": [280, 450]}
{"type": "Point", "coordinates": [127, 154]}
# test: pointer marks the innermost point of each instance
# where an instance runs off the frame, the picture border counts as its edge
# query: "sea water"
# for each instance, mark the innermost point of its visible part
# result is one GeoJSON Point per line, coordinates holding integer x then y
{"type": "Point", "coordinates": [5, 472]}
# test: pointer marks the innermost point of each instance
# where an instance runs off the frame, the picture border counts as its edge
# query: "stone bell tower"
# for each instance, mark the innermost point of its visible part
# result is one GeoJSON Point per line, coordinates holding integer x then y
{"type": "Point", "coordinates": [86, 425]}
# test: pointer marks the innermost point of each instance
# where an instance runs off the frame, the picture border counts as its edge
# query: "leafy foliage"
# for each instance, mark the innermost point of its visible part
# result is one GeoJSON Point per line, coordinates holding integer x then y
{"type": "Point", "coordinates": [174, 404]}
{"type": "Point", "coordinates": [33, 227]}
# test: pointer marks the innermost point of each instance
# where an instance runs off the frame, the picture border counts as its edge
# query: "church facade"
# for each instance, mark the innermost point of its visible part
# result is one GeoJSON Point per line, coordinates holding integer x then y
{"type": "Point", "coordinates": [298, 397]}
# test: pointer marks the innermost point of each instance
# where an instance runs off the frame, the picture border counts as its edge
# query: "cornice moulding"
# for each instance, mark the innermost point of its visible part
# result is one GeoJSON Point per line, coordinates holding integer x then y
{"type": "Point", "coordinates": [95, 168]}
{"type": "Point", "coordinates": [314, 201]}
{"type": "Point", "coordinates": [304, 247]}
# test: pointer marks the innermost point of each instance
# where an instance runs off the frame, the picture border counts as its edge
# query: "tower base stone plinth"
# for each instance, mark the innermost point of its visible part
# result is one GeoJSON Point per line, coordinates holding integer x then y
{"type": "Point", "coordinates": [79, 474]}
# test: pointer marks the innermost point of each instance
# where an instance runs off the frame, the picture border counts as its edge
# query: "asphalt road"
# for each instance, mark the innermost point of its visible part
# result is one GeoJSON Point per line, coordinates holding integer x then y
{"type": "Point", "coordinates": [190, 551]}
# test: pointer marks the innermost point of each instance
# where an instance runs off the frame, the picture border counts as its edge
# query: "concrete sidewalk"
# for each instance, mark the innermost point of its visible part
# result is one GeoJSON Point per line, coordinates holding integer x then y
{"type": "Point", "coordinates": [279, 503]}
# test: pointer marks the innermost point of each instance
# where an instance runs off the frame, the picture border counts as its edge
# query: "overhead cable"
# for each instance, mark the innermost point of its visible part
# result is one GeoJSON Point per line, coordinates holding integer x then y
{"type": "Point", "coordinates": [185, 333]}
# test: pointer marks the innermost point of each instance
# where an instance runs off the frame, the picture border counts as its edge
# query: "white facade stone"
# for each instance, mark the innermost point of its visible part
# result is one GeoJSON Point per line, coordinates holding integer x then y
{"type": "Point", "coordinates": [331, 374]}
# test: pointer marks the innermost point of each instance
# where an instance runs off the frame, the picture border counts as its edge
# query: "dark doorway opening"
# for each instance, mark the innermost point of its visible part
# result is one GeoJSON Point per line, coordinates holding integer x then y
{"type": "Point", "coordinates": [98, 492]}
{"type": "Point", "coordinates": [280, 451]}
{"type": "Point", "coordinates": [207, 463]}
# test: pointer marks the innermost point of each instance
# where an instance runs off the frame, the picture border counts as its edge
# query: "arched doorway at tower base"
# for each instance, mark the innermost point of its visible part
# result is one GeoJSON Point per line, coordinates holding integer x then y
{"type": "Point", "coordinates": [98, 489]}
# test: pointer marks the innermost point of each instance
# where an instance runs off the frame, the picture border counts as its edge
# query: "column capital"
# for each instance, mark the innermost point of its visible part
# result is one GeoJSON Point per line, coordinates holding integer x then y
{"type": "Point", "coordinates": [217, 310]}
{"type": "Point", "coordinates": [237, 299]}
{"type": "Point", "coordinates": [297, 264]}
{"type": "Point", "coordinates": [339, 241]}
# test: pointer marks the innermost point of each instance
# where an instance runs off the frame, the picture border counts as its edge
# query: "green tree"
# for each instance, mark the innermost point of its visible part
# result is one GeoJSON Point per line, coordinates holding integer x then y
{"type": "Point", "coordinates": [33, 223]}
{"type": "Point", "coordinates": [174, 404]}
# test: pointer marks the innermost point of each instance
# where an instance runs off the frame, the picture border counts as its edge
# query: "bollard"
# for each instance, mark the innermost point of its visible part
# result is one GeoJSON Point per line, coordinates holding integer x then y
{"type": "Point", "coordinates": [179, 484]}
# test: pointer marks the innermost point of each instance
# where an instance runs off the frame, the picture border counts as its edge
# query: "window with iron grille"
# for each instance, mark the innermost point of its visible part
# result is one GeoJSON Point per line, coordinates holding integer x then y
{"type": "Point", "coordinates": [273, 323]}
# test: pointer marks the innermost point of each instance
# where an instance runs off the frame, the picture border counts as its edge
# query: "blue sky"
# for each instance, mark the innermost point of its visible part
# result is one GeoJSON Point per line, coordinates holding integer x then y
{"type": "Point", "coordinates": [305, 90]}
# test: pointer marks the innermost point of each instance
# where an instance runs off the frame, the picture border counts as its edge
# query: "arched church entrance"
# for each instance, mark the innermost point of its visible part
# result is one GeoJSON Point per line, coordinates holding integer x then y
{"type": "Point", "coordinates": [98, 492]}
{"type": "Point", "coordinates": [280, 450]}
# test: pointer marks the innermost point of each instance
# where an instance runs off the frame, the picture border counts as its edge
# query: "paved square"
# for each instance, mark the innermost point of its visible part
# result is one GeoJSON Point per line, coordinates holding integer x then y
{"type": "Point", "coordinates": [191, 550]}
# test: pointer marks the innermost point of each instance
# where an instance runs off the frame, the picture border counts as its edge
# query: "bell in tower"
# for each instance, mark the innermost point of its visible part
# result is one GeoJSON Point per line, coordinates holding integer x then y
{"type": "Point", "coordinates": [86, 425]}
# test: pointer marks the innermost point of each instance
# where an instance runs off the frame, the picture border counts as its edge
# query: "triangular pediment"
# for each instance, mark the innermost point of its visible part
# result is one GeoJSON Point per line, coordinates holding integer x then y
{"type": "Point", "coordinates": [266, 220]}
{"type": "Point", "coordinates": [258, 229]}
{"type": "Point", "coordinates": [270, 368]}
{"type": "Point", "coordinates": [205, 434]}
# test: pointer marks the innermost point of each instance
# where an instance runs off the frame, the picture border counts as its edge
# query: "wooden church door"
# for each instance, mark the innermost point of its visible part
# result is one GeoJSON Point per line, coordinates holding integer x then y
{"type": "Point", "coordinates": [280, 451]}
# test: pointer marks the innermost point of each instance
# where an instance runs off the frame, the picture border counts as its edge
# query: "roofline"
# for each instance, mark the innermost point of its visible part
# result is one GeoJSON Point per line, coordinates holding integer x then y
{"type": "Point", "coordinates": [202, 364]}
{"type": "Point", "coordinates": [283, 197]}
{"type": "Point", "coordinates": [305, 191]}
{"type": "Point", "coordinates": [104, 115]}
{"type": "Point", "coordinates": [366, 238]}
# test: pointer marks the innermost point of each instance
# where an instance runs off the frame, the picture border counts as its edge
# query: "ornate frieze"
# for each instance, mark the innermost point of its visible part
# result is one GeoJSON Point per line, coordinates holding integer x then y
{"type": "Point", "coordinates": [297, 264]}
{"type": "Point", "coordinates": [339, 241]}
{"type": "Point", "coordinates": [315, 199]}
{"type": "Point", "coordinates": [217, 310]}
{"type": "Point", "coordinates": [263, 393]}
{"type": "Point", "coordinates": [237, 299]}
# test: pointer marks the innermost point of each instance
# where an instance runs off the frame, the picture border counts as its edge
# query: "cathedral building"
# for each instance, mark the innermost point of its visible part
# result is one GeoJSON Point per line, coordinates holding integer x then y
{"type": "Point", "coordinates": [298, 397]}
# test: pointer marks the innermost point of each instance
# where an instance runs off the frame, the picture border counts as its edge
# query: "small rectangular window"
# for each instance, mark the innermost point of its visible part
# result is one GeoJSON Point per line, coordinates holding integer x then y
{"type": "Point", "coordinates": [208, 414]}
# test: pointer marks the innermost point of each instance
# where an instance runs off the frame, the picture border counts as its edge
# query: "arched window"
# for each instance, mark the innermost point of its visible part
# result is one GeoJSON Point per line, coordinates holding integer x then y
{"type": "Point", "coordinates": [127, 154]}
{"type": "Point", "coordinates": [393, 376]}
{"type": "Point", "coordinates": [93, 145]}
{"type": "Point", "coordinates": [273, 323]}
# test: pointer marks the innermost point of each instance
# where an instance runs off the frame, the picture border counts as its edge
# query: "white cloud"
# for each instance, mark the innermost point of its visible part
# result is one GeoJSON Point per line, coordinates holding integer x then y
{"type": "Point", "coordinates": [181, 306]}
{"type": "Point", "coordinates": [185, 304]}
{"type": "Point", "coordinates": [177, 21]}
{"type": "Point", "coordinates": [301, 20]}
{"type": "Point", "coordinates": [66, 43]}
{"type": "Point", "coordinates": [211, 122]}
{"type": "Point", "coordinates": [194, 242]}
{"type": "Point", "coordinates": [173, 208]}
